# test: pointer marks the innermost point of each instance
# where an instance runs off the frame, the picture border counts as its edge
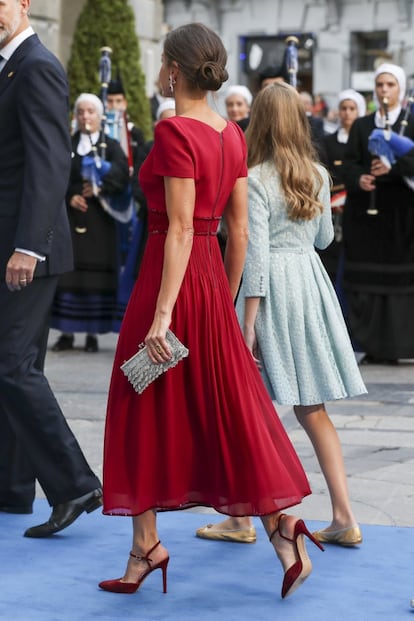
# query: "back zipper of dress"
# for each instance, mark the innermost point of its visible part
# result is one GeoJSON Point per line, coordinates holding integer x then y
{"type": "Point", "coordinates": [216, 202]}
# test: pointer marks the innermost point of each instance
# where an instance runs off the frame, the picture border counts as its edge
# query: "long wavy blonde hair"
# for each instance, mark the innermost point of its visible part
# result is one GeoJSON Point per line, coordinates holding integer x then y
{"type": "Point", "coordinates": [279, 132]}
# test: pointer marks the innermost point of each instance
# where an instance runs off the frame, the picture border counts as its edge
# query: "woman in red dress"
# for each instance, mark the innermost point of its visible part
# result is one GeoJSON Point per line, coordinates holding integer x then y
{"type": "Point", "coordinates": [205, 432]}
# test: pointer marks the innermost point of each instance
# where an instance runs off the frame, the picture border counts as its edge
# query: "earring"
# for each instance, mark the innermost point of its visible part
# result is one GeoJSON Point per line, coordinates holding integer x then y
{"type": "Point", "coordinates": [171, 83]}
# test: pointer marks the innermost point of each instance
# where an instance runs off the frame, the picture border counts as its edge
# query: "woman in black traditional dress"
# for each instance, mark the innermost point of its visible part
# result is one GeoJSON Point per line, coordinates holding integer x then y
{"type": "Point", "coordinates": [378, 229]}
{"type": "Point", "coordinates": [351, 105]}
{"type": "Point", "coordinates": [86, 297]}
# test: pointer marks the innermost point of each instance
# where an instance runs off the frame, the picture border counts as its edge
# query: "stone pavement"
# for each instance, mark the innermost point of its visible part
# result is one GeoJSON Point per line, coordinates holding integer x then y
{"type": "Point", "coordinates": [376, 431]}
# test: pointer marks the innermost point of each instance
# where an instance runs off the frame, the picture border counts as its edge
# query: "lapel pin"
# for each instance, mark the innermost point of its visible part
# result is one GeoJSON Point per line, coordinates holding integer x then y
{"type": "Point", "coordinates": [11, 74]}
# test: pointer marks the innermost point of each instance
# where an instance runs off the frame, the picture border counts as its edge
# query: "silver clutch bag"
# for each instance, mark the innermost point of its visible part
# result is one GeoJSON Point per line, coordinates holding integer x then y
{"type": "Point", "coordinates": [141, 371]}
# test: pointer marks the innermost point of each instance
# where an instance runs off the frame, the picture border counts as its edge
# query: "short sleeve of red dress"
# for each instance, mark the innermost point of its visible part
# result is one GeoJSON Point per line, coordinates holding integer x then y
{"type": "Point", "coordinates": [172, 155]}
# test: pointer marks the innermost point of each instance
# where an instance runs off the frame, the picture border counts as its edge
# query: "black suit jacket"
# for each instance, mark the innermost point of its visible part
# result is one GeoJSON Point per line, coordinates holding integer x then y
{"type": "Point", "coordinates": [317, 134]}
{"type": "Point", "coordinates": [35, 158]}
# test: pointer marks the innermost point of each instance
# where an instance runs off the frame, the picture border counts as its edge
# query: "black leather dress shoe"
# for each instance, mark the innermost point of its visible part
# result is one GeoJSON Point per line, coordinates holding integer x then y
{"type": "Point", "coordinates": [65, 514]}
{"type": "Point", "coordinates": [368, 359]}
{"type": "Point", "coordinates": [18, 510]}
{"type": "Point", "coordinates": [91, 343]}
{"type": "Point", "coordinates": [64, 342]}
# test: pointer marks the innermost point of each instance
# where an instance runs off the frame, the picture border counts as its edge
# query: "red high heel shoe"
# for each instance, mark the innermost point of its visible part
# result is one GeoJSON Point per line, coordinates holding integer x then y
{"type": "Point", "coordinates": [299, 571]}
{"type": "Point", "coordinates": [118, 586]}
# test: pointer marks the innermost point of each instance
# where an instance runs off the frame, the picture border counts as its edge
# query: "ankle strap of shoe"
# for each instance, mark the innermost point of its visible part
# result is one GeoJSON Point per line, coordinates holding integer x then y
{"type": "Point", "coordinates": [146, 558]}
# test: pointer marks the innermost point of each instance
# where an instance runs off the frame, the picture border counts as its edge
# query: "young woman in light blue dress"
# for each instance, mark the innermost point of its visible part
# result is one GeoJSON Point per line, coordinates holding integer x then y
{"type": "Point", "coordinates": [290, 315]}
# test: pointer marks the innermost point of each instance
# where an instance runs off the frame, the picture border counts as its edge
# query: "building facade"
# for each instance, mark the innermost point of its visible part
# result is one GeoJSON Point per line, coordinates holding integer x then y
{"type": "Point", "coordinates": [340, 41]}
{"type": "Point", "coordinates": [55, 22]}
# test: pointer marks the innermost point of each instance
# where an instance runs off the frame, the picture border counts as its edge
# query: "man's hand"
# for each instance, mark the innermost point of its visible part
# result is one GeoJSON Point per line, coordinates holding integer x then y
{"type": "Point", "coordinates": [367, 183]}
{"type": "Point", "coordinates": [78, 202]}
{"type": "Point", "coordinates": [87, 189]}
{"type": "Point", "coordinates": [378, 168]}
{"type": "Point", "coordinates": [19, 271]}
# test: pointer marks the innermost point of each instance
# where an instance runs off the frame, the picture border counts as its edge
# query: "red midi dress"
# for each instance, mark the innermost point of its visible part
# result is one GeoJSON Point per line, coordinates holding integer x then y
{"type": "Point", "coordinates": [205, 432]}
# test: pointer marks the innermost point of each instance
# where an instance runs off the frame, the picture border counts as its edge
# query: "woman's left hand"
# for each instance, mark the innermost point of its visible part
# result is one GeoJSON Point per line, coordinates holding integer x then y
{"type": "Point", "coordinates": [157, 346]}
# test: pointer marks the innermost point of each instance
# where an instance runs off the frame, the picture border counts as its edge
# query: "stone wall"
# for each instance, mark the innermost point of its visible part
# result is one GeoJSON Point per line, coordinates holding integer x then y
{"type": "Point", "coordinates": [55, 22]}
{"type": "Point", "coordinates": [70, 10]}
{"type": "Point", "coordinates": [45, 17]}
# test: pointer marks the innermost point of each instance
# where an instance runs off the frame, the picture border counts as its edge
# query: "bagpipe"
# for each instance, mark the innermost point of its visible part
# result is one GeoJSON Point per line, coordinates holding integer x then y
{"type": "Point", "coordinates": [376, 151]}
{"type": "Point", "coordinates": [95, 167]}
{"type": "Point", "coordinates": [117, 128]}
{"type": "Point", "coordinates": [388, 146]}
{"type": "Point", "coordinates": [291, 60]}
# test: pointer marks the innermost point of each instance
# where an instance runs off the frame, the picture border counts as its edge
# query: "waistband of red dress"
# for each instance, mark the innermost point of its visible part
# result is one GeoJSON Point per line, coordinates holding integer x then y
{"type": "Point", "coordinates": [158, 225]}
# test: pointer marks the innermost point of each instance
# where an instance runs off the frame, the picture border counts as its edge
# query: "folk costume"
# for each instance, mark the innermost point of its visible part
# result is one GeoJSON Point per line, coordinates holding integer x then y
{"type": "Point", "coordinates": [86, 297]}
{"type": "Point", "coordinates": [379, 248]}
{"type": "Point", "coordinates": [335, 147]}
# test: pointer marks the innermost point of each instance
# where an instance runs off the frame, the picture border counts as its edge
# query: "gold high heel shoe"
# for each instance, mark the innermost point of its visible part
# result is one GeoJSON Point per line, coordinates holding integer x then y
{"type": "Point", "coordinates": [235, 535]}
{"type": "Point", "coordinates": [343, 537]}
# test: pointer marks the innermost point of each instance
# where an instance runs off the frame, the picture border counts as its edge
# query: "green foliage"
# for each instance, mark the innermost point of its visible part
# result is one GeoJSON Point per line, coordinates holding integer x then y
{"type": "Point", "coordinates": [109, 23]}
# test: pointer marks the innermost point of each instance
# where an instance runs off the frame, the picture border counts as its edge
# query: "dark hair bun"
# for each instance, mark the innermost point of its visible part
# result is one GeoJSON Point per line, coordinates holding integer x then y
{"type": "Point", "coordinates": [199, 54]}
{"type": "Point", "coordinates": [211, 75]}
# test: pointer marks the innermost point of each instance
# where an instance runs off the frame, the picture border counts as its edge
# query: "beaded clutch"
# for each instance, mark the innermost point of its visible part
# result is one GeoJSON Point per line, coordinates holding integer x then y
{"type": "Point", "coordinates": [141, 371]}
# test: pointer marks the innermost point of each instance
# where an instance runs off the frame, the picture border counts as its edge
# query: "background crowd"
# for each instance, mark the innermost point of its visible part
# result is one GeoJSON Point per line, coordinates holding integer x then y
{"type": "Point", "coordinates": [93, 298]}
{"type": "Point", "coordinates": [124, 223]}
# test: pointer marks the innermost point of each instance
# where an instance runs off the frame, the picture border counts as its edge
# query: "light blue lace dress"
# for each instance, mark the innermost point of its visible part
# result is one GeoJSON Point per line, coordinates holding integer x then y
{"type": "Point", "coordinates": [304, 344]}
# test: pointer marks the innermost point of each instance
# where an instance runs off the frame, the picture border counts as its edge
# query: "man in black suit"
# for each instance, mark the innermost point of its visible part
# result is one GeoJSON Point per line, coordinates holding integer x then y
{"type": "Point", "coordinates": [35, 247]}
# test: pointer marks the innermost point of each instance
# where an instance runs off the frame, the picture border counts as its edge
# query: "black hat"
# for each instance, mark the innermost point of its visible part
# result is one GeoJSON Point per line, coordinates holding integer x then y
{"type": "Point", "coordinates": [115, 87]}
{"type": "Point", "coordinates": [274, 72]}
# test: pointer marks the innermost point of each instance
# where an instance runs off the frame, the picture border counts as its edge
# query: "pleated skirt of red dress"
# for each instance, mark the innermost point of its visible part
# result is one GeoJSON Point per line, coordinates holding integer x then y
{"type": "Point", "coordinates": [205, 432]}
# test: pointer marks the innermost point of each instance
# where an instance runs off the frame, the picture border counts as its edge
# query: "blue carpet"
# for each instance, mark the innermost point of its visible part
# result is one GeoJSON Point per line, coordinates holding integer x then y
{"type": "Point", "coordinates": [56, 579]}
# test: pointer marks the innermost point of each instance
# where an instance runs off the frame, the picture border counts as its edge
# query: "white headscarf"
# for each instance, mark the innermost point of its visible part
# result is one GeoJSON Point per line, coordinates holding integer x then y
{"type": "Point", "coordinates": [92, 99]}
{"type": "Point", "coordinates": [84, 144]}
{"type": "Point", "coordinates": [167, 104]}
{"type": "Point", "coordinates": [359, 100]}
{"type": "Point", "coordinates": [239, 89]}
{"type": "Point", "coordinates": [397, 72]}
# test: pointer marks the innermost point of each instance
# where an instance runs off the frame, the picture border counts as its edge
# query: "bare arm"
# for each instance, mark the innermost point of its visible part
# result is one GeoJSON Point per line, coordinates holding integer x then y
{"type": "Point", "coordinates": [251, 306]}
{"type": "Point", "coordinates": [180, 200]}
{"type": "Point", "coordinates": [237, 234]}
